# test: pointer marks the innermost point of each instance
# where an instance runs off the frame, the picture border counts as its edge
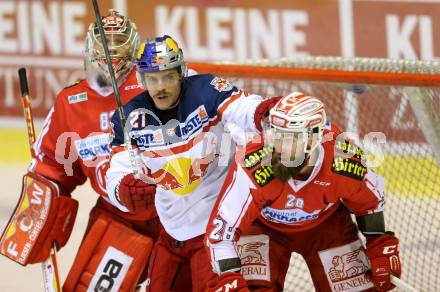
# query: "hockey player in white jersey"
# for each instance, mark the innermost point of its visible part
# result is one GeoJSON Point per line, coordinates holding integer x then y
{"type": "Point", "coordinates": [176, 128]}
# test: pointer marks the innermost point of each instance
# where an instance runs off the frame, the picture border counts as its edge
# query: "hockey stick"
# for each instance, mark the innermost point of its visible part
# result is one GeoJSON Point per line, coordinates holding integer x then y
{"type": "Point", "coordinates": [50, 267]}
{"type": "Point", "coordinates": [127, 141]}
{"type": "Point", "coordinates": [402, 285]}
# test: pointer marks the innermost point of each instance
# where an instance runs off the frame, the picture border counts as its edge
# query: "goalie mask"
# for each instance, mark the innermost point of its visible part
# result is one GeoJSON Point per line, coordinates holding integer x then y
{"type": "Point", "coordinates": [122, 41]}
{"type": "Point", "coordinates": [299, 118]}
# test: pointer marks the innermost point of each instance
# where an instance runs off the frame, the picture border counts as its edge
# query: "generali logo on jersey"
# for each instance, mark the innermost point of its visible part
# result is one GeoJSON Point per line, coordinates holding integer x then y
{"type": "Point", "coordinates": [254, 255]}
{"type": "Point", "coordinates": [345, 267]}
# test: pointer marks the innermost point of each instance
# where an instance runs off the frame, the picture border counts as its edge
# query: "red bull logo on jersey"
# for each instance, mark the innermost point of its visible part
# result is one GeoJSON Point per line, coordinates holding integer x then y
{"type": "Point", "coordinates": [93, 147]}
{"type": "Point", "coordinates": [221, 84]}
{"type": "Point", "coordinates": [254, 255]}
{"type": "Point", "coordinates": [345, 267]}
{"type": "Point", "coordinates": [182, 175]}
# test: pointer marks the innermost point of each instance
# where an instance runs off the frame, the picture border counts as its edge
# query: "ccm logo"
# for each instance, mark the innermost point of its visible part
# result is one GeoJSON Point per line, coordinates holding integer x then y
{"type": "Point", "coordinates": [389, 249]}
{"type": "Point", "coordinates": [228, 287]}
{"type": "Point", "coordinates": [112, 269]}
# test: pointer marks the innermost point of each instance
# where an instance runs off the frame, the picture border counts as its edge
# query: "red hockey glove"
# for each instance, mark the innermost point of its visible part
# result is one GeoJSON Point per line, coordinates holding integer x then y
{"type": "Point", "coordinates": [136, 195]}
{"type": "Point", "coordinates": [229, 281]}
{"type": "Point", "coordinates": [263, 109]}
{"type": "Point", "coordinates": [383, 253]}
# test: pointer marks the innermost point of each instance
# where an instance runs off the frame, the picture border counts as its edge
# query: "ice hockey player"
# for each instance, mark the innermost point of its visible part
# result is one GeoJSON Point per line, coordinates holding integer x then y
{"type": "Point", "coordinates": [176, 128]}
{"type": "Point", "coordinates": [74, 145]}
{"type": "Point", "coordinates": [298, 184]}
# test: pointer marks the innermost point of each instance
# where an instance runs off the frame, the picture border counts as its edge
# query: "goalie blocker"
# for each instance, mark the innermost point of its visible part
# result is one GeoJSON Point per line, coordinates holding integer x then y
{"type": "Point", "coordinates": [41, 218]}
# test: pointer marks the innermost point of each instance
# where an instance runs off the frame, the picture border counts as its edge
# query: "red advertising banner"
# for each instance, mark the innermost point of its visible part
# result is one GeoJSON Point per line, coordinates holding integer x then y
{"type": "Point", "coordinates": [47, 37]}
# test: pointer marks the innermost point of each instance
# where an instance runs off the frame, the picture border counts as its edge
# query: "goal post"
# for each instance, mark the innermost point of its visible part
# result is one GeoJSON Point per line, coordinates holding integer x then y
{"type": "Point", "coordinates": [393, 107]}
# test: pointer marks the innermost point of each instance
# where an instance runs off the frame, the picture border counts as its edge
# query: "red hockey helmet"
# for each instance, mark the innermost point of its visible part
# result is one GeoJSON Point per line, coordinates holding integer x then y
{"type": "Point", "coordinates": [300, 114]}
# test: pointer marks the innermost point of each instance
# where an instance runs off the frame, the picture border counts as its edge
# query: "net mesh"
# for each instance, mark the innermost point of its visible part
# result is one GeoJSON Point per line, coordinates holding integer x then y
{"type": "Point", "coordinates": [409, 118]}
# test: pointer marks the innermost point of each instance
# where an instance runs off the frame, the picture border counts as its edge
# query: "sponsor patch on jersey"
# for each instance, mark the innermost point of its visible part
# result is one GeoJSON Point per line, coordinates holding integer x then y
{"type": "Point", "coordinates": [257, 156]}
{"type": "Point", "coordinates": [77, 97]}
{"type": "Point", "coordinates": [288, 216]}
{"type": "Point", "coordinates": [173, 131]}
{"type": "Point", "coordinates": [221, 84]}
{"type": "Point", "coordinates": [254, 254]}
{"type": "Point", "coordinates": [349, 167]}
{"type": "Point", "coordinates": [148, 137]}
{"type": "Point", "coordinates": [345, 267]}
{"type": "Point", "coordinates": [94, 146]}
{"type": "Point", "coordinates": [350, 150]}
{"type": "Point", "coordinates": [263, 175]}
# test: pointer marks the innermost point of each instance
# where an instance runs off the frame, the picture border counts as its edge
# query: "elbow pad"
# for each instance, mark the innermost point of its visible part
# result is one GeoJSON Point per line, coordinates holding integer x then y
{"type": "Point", "coordinates": [371, 224]}
{"type": "Point", "coordinates": [227, 265]}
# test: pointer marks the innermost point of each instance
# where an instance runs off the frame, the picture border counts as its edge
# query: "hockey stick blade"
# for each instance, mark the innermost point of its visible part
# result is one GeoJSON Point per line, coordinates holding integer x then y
{"type": "Point", "coordinates": [402, 285]}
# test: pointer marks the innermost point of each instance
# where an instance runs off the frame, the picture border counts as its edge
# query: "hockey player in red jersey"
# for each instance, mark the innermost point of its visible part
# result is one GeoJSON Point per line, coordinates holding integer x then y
{"type": "Point", "coordinates": [176, 128]}
{"type": "Point", "coordinates": [73, 146]}
{"type": "Point", "coordinates": [298, 184]}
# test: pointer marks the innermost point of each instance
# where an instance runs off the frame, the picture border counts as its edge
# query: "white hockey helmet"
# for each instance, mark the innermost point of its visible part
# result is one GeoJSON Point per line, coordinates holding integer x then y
{"type": "Point", "coordinates": [302, 115]}
{"type": "Point", "coordinates": [122, 40]}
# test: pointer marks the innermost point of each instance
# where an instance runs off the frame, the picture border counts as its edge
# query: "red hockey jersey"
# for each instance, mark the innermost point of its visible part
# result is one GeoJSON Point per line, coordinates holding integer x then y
{"type": "Point", "coordinates": [252, 192]}
{"type": "Point", "coordinates": [74, 142]}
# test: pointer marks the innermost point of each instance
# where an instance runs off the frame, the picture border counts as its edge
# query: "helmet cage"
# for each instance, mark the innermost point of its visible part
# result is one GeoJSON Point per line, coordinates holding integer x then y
{"type": "Point", "coordinates": [122, 40]}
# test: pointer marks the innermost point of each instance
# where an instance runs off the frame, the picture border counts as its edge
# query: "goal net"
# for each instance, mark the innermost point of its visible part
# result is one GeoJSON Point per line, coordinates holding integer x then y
{"type": "Point", "coordinates": [393, 106]}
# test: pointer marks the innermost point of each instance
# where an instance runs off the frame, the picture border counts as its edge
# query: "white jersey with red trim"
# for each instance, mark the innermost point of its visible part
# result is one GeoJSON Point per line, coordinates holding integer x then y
{"type": "Point", "coordinates": [252, 192]}
{"type": "Point", "coordinates": [187, 157]}
{"type": "Point", "coordinates": [74, 142]}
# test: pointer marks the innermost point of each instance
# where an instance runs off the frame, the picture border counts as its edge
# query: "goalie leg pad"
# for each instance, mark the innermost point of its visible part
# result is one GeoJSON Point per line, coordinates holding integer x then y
{"type": "Point", "coordinates": [111, 258]}
{"type": "Point", "coordinates": [41, 218]}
